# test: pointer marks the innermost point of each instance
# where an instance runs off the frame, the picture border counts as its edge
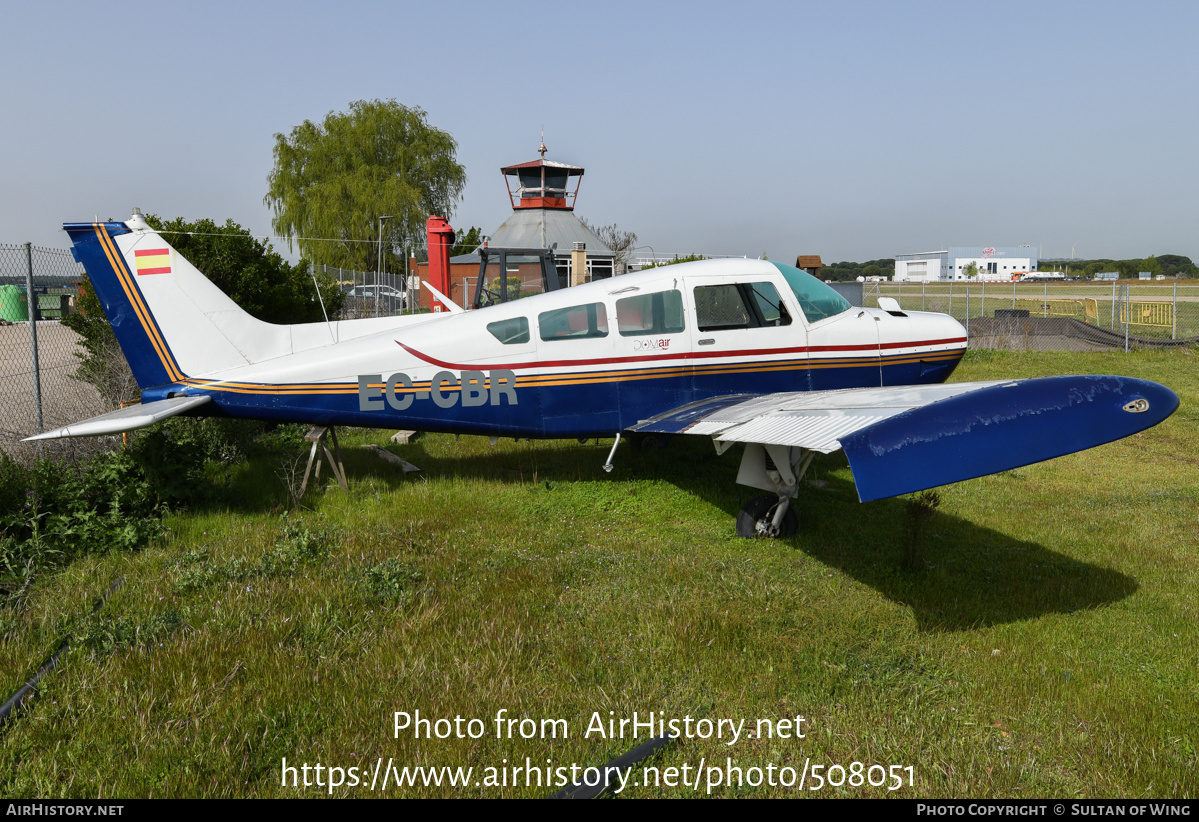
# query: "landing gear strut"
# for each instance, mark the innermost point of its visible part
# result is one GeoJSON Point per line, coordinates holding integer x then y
{"type": "Point", "coordinates": [767, 516]}
{"type": "Point", "coordinates": [774, 468]}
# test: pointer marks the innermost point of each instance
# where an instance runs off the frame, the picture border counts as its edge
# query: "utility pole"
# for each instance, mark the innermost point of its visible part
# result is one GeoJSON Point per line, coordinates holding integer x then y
{"type": "Point", "coordinates": [382, 264]}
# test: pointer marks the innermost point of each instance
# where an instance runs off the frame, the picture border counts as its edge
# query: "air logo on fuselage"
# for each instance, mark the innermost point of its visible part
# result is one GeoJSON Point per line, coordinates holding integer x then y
{"type": "Point", "coordinates": [473, 389]}
{"type": "Point", "coordinates": [651, 345]}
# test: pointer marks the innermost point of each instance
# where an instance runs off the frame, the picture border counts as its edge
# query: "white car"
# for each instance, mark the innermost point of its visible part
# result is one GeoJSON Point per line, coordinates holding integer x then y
{"type": "Point", "coordinates": [370, 292]}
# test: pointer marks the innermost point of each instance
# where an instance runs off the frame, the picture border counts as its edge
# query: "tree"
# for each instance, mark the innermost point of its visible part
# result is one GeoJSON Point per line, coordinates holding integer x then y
{"type": "Point", "coordinates": [334, 180]}
{"type": "Point", "coordinates": [253, 275]}
{"type": "Point", "coordinates": [465, 243]}
{"type": "Point", "coordinates": [690, 258]}
{"type": "Point", "coordinates": [621, 243]}
{"type": "Point", "coordinates": [849, 271]}
{"type": "Point", "coordinates": [1128, 268]}
{"type": "Point", "coordinates": [1175, 265]}
{"type": "Point", "coordinates": [101, 362]}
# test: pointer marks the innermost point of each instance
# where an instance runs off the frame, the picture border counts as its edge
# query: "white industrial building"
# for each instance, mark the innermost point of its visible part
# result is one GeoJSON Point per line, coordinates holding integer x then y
{"type": "Point", "coordinates": [994, 263]}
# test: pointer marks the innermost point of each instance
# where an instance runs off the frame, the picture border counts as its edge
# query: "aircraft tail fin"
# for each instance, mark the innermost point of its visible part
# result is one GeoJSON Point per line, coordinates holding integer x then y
{"type": "Point", "coordinates": [170, 320]}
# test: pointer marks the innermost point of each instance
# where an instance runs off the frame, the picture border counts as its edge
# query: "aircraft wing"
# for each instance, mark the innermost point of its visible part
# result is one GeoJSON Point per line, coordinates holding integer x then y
{"type": "Point", "coordinates": [907, 438]}
{"type": "Point", "coordinates": [125, 419]}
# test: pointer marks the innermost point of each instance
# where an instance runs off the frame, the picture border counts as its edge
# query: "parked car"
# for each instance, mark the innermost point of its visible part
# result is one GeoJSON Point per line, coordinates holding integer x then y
{"type": "Point", "coordinates": [371, 292]}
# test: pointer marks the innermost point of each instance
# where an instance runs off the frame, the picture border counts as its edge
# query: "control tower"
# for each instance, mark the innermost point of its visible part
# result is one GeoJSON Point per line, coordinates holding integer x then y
{"type": "Point", "coordinates": [543, 194]}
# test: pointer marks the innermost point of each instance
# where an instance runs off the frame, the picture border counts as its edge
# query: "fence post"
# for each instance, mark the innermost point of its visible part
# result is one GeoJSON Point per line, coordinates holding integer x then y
{"type": "Point", "coordinates": [1113, 305]}
{"type": "Point", "coordinates": [967, 313]}
{"type": "Point", "coordinates": [1013, 294]}
{"type": "Point", "coordinates": [923, 293]}
{"type": "Point", "coordinates": [982, 304]}
{"type": "Point", "coordinates": [32, 305]}
{"type": "Point", "coordinates": [1174, 315]}
{"type": "Point", "coordinates": [1127, 313]}
{"type": "Point", "coordinates": [1045, 303]}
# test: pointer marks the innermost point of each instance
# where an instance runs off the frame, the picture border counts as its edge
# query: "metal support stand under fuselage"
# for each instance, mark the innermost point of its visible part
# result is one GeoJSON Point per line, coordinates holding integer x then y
{"type": "Point", "coordinates": [320, 449]}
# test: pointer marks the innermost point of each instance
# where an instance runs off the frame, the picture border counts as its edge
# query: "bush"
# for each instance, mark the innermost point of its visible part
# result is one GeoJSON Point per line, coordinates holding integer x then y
{"type": "Point", "coordinates": [54, 512]}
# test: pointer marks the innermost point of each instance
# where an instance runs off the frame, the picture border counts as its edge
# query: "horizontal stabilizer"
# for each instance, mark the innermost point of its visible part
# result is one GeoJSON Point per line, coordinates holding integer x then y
{"type": "Point", "coordinates": [126, 419]}
{"type": "Point", "coordinates": [999, 428]}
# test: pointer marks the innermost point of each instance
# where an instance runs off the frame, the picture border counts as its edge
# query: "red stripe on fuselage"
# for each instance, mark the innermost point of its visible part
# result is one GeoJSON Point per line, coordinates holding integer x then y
{"type": "Point", "coordinates": [690, 355]}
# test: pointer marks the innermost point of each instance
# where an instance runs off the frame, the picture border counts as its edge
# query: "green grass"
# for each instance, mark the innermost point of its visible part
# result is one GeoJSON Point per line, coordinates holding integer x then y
{"type": "Point", "coordinates": [1047, 649]}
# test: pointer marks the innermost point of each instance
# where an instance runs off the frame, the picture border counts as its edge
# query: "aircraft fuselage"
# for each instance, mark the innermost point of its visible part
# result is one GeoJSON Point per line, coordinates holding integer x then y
{"type": "Point", "coordinates": [590, 360]}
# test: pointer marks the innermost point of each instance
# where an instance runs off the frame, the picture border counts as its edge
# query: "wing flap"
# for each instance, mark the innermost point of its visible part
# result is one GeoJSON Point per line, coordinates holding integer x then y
{"type": "Point", "coordinates": [815, 430]}
{"type": "Point", "coordinates": [803, 419]}
{"type": "Point", "coordinates": [125, 419]}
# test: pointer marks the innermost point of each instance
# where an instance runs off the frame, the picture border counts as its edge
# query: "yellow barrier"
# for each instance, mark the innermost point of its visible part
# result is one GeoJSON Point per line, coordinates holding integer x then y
{"type": "Point", "coordinates": [1157, 315]}
{"type": "Point", "coordinates": [1051, 308]}
{"type": "Point", "coordinates": [1064, 308]}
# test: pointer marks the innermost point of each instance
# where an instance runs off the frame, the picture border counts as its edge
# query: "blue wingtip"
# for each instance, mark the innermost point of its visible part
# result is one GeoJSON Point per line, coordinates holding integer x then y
{"type": "Point", "coordinates": [1000, 428]}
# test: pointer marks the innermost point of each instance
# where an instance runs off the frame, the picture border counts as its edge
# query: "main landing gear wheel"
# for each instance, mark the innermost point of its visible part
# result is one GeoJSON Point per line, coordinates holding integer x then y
{"type": "Point", "coordinates": [756, 518]}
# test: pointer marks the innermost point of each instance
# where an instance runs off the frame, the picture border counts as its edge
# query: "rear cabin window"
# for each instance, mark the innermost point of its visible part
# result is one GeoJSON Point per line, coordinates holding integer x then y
{"type": "Point", "coordinates": [510, 332]}
{"type": "Point", "coordinates": [740, 305]}
{"type": "Point", "coordinates": [660, 313]}
{"type": "Point", "coordinates": [579, 322]}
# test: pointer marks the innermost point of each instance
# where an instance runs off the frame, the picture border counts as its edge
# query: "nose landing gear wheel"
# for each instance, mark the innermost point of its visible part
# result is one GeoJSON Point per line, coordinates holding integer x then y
{"type": "Point", "coordinates": [756, 518]}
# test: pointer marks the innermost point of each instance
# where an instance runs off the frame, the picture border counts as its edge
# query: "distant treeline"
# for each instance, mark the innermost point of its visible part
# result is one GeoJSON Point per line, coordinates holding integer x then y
{"type": "Point", "coordinates": [851, 271]}
{"type": "Point", "coordinates": [1171, 265]}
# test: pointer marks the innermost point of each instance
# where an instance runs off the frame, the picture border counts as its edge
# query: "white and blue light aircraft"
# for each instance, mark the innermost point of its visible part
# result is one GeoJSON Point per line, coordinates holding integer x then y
{"type": "Point", "coordinates": [742, 351]}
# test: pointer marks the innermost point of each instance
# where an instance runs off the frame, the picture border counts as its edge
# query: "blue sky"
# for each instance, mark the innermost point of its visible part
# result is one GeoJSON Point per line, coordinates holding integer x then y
{"type": "Point", "coordinates": [852, 130]}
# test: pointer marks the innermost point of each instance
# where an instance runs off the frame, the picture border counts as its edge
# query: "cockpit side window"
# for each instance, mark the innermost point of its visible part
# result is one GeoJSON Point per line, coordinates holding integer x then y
{"type": "Point", "coordinates": [721, 307]}
{"type": "Point", "coordinates": [766, 303]}
{"type": "Point", "coordinates": [739, 305]}
{"type": "Point", "coordinates": [510, 332]}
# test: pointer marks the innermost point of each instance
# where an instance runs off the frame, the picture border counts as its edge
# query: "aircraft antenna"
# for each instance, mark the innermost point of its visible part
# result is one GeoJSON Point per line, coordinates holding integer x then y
{"type": "Point", "coordinates": [332, 336]}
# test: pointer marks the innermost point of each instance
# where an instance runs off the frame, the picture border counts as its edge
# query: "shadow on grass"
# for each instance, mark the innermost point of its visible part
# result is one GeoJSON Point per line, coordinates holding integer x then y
{"type": "Point", "coordinates": [975, 576]}
{"type": "Point", "coordinates": [260, 484]}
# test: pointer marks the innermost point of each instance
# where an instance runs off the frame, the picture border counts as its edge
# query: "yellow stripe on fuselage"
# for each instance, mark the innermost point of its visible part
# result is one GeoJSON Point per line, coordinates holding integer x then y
{"type": "Point", "coordinates": [117, 260]}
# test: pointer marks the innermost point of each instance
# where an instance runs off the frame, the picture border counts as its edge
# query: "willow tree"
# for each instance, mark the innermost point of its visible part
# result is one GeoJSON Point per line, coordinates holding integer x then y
{"type": "Point", "coordinates": [334, 180]}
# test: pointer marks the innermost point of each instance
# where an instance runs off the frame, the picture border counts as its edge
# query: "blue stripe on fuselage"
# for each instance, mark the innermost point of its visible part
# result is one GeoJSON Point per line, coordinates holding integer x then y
{"type": "Point", "coordinates": [585, 409]}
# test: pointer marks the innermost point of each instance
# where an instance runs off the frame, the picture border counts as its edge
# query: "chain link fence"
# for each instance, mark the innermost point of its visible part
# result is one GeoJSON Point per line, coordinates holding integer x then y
{"type": "Point", "coordinates": [369, 293]}
{"type": "Point", "coordinates": [39, 355]}
{"type": "Point", "coordinates": [1068, 316]}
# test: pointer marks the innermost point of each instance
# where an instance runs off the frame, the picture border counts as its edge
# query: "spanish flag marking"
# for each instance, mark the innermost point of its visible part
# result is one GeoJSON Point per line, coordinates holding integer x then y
{"type": "Point", "coordinates": [153, 261]}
